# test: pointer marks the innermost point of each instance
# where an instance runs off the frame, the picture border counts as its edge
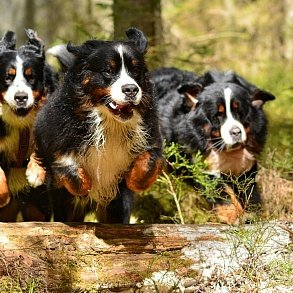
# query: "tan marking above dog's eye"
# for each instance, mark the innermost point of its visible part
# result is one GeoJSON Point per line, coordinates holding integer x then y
{"type": "Point", "coordinates": [206, 128]}
{"type": "Point", "coordinates": [235, 105]}
{"type": "Point", "coordinates": [216, 133]}
{"type": "Point", "coordinates": [86, 81]}
{"type": "Point", "coordinates": [28, 71]}
{"type": "Point", "coordinates": [134, 62]}
{"type": "Point", "coordinates": [112, 64]}
{"type": "Point", "coordinates": [12, 71]}
{"type": "Point", "coordinates": [221, 109]}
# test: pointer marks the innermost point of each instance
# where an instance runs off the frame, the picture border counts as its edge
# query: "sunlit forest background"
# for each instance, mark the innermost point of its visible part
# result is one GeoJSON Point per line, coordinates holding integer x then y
{"type": "Point", "coordinates": [252, 37]}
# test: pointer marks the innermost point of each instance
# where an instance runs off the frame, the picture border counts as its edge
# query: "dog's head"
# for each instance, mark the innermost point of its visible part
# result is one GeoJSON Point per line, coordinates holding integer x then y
{"type": "Point", "coordinates": [230, 114]}
{"type": "Point", "coordinates": [21, 78]}
{"type": "Point", "coordinates": [111, 75]}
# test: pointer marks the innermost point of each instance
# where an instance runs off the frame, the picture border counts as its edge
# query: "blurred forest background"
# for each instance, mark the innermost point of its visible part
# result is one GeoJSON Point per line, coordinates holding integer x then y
{"type": "Point", "coordinates": [252, 37]}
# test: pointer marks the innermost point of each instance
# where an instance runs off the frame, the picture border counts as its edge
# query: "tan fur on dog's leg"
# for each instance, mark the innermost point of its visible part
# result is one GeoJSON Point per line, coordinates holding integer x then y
{"type": "Point", "coordinates": [230, 213]}
{"type": "Point", "coordinates": [86, 184]}
{"type": "Point", "coordinates": [4, 190]}
{"type": "Point", "coordinates": [140, 176]}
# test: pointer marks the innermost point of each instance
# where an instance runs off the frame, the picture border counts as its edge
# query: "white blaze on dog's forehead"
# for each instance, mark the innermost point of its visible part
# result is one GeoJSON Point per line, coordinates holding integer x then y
{"type": "Point", "coordinates": [19, 70]}
{"type": "Point", "coordinates": [230, 121]}
{"type": "Point", "coordinates": [227, 95]}
{"type": "Point", "coordinates": [124, 78]}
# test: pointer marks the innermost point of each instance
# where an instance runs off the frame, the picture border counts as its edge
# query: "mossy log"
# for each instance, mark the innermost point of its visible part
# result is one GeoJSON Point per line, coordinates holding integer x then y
{"type": "Point", "coordinates": [91, 257]}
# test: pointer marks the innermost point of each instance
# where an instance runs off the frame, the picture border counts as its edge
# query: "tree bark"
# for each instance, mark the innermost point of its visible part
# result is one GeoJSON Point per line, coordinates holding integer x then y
{"type": "Point", "coordinates": [28, 19]}
{"type": "Point", "coordinates": [80, 257]}
{"type": "Point", "coordinates": [146, 16]}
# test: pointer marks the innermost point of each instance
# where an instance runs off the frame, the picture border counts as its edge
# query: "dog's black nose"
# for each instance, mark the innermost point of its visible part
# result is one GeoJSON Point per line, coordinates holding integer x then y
{"type": "Point", "coordinates": [130, 90]}
{"type": "Point", "coordinates": [235, 132]}
{"type": "Point", "coordinates": [21, 98]}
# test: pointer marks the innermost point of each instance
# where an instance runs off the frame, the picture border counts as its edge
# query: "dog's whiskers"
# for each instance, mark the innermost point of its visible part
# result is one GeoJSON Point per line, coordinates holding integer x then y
{"type": "Point", "coordinates": [146, 101]}
{"type": "Point", "coordinates": [218, 146]}
{"type": "Point", "coordinates": [108, 99]}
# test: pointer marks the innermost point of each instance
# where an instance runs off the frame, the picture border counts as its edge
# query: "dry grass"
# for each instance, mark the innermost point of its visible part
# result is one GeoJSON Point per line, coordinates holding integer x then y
{"type": "Point", "coordinates": [277, 194]}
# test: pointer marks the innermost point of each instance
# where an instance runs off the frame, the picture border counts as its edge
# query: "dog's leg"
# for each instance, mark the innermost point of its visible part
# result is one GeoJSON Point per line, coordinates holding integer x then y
{"type": "Point", "coordinates": [35, 173]}
{"type": "Point", "coordinates": [66, 208]}
{"type": "Point", "coordinates": [119, 209]}
{"type": "Point", "coordinates": [35, 204]}
{"type": "Point", "coordinates": [229, 213]}
{"type": "Point", "coordinates": [74, 179]}
{"type": "Point", "coordinates": [9, 212]}
{"type": "Point", "coordinates": [144, 171]}
{"type": "Point", "coordinates": [4, 190]}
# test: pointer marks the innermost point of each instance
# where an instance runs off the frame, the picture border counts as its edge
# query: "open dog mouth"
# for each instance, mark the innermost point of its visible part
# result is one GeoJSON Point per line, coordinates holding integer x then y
{"type": "Point", "coordinates": [22, 111]}
{"type": "Point", "coordinates": [123, 111]}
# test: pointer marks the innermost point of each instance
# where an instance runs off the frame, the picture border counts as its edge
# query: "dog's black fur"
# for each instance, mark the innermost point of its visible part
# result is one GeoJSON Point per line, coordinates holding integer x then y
{"type": "Point", "coordinates": [192, 113]}
{"type": "Point", "coordinates": [99, 134]}
{"type": "Point", "coordinates": [25, 81]}
{"type": "Point", "coordinates": [172, 102]}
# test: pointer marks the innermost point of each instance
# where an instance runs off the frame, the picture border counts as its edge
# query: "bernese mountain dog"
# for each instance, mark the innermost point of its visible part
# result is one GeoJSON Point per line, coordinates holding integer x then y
{"type": "Point", "coordinates": [99, 134]}
{"type": "Point", "coordinates": [25, 81]}
{"type": "Point", "coordinates": [219, 114]}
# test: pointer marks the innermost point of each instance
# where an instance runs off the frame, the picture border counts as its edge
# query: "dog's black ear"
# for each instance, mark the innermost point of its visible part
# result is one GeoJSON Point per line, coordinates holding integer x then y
{"type": "Point", "coordinates": [8, 41]}
{"type": "Point", "coordinates": [85, 49]}
{"type": "Point", "coordinates": [190, 91]}
{"type": "Point", "coordinates": [74, 50]}
{"type": "Point", "coordinates": [34, 42]}
{"type": "Point", "coordinates": [259, 97]}
{"type": "Point", "coordinates": [63, 55]}
{"type": "Point", "coordinates": [138, 38]}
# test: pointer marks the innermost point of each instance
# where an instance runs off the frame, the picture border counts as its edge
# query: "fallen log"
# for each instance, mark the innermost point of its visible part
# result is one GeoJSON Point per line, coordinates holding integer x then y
{"type": "Point", "coordinates": [91, 257]}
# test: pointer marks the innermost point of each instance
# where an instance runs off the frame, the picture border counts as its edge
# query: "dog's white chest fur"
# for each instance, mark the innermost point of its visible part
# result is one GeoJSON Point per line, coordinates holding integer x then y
{"type": "Point", "coordinates": [110, 158]}
{"type": "Point", "coordinates": [234, 162]}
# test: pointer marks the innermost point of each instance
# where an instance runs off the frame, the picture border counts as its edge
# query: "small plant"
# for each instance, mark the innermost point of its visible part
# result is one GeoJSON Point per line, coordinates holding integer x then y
{"type": "Point", "coordinates": [174, 182]}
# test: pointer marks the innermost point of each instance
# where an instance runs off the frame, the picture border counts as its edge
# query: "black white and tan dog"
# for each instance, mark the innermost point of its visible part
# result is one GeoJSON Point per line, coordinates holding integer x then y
{"type": "Point", "coordinates": [25, 80]}
{"type": "Point", "coordinates": [99, 135]}
{"type": "Point", "coordinates": [219, 114]}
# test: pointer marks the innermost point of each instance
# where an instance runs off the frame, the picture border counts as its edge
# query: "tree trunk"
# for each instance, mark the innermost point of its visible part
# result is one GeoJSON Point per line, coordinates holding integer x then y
{"type": "Point", "coordinates": [28, 19]}
{"type": "Point", "coordinates": [146, 16]}
{"type": "Point", "coordinates": [82, 257]}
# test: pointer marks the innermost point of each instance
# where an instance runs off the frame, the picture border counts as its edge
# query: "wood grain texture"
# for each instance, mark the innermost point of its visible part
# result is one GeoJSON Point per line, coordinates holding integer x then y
{"type": "Point", "coordinates": [79, 257]}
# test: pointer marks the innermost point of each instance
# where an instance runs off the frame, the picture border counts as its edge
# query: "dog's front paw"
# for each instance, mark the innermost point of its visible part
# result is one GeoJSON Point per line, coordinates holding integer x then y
{"type": "Point", "coordinates": [80, 186]}
{"type": "Point", "coordinates": [4, 190]}
{"type": "Point", "coordinates": [35, 174]}
{"type": "Point", "coordinates": [231, 212]}
{"type": "Point", "coordinates": [144, 172]}
{"type": "Point", "coordinates": [228, 214]}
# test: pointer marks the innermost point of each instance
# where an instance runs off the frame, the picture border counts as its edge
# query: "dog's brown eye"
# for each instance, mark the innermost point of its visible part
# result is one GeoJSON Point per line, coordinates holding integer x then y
{"type": "Point", "coordinates": [136, 72]}
{"type": "Point", "coordinates": [9, 78]}
{"type": "Point", "coordinates": [10, 75]}
{"type": "Point", "coordinates": [108, 73]}
{"type": "Point", "coordinates": [30, 79]}
{"type": "Point", "coordinates": [221, 111]}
